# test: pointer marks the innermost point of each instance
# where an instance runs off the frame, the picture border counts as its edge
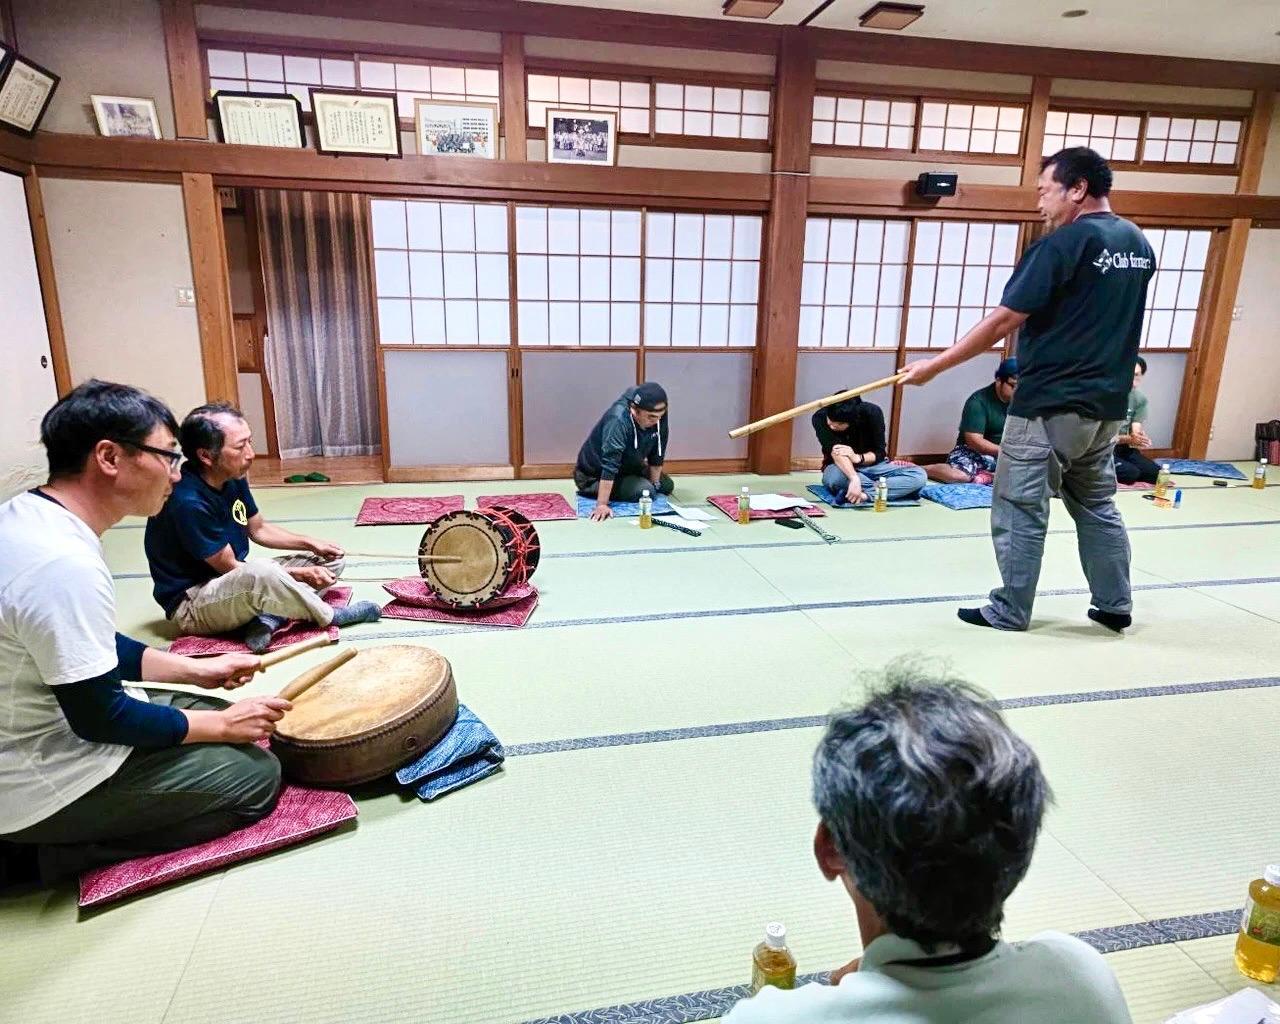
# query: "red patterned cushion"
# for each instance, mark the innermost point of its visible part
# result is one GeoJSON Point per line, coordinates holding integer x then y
{"type": "Point", "coordinates": [728, 504]}
{"type": "Point", "coordinates": [534, 507]}
{"type": "Point", "coordinates": [413, 590]}
{"type": "Point", "coordinates": [513, 615]}
{"type": "Point", "coordinates": [420, 511]}
{"type": "Point", "coordinates": [299, 814]}
{"type": "Point", "coordinates": [295, 632]}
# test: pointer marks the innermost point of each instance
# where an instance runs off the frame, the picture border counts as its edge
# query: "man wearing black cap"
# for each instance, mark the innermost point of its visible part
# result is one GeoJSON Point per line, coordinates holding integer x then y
{"type": "Point", "coordinates": [973, 459]}
{"type": "Point", "coordinates": [623, 454]}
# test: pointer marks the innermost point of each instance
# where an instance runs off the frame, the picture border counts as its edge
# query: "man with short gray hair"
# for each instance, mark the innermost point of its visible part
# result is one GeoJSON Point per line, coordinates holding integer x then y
{"type": "Point", "coordinates": [930, 806]}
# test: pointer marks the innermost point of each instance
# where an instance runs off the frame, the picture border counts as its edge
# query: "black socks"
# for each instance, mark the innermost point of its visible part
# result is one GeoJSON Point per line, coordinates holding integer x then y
{"type": "Point", "coordinates": [1114, 621]}
{"type": "Point", "coordinates": [973, 616]}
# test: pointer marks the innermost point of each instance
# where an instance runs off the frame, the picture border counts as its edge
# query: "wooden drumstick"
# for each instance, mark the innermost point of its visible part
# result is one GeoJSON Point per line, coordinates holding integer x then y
{"type": "Point", "coordinates": [312, 676]}
{"type": "Point", "coordinates": [820, 403]}
{"type": "Point", "coordinates": [406, 558]}
{"type": "Point", "coordinates": [285, 653]}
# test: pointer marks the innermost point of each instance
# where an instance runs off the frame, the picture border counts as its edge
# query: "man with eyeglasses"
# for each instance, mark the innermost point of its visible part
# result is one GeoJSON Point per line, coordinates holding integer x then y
{"type": "Point", "coordinates": [198, 545]}
{"type": "Point", "coordinates": [92, 771]}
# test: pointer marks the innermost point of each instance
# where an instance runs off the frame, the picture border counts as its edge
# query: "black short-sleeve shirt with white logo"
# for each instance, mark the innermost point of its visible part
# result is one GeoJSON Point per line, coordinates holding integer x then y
{"type": "Point", "coordinates": [1084, 288]}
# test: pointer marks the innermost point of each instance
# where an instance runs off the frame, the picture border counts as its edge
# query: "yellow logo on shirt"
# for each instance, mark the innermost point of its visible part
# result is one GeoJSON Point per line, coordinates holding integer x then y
{"type": "Point", "coordinates": [239, 513]}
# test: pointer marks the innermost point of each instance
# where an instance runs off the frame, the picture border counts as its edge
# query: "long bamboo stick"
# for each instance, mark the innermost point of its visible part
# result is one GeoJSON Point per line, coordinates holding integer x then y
{"type": "Point", "coordinates": [820, 403]}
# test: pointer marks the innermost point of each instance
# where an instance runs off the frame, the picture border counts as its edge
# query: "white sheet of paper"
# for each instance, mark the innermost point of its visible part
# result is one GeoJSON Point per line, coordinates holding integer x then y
{"type": "Point", "coordinates": [775, 503]}
{"type": "Point", "coordinates": [1248, 1006]}
{"type": "Point", "coordinates": [691, 513]}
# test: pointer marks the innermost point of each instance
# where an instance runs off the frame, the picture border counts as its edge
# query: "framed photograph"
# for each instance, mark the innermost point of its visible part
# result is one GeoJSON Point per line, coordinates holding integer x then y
{"type": "Point", "coordinates": [456, 128]}
{"type": "Point", "coordinates": [26, 90]}
{"type": "Point", "coordinates": [582, 137]}
{"type": "Point", "coordinates": [127, 115]}
{"type": "Point", "coordinates": [259, 119]}
{"type": "Point", "coordinates": [348, 121]}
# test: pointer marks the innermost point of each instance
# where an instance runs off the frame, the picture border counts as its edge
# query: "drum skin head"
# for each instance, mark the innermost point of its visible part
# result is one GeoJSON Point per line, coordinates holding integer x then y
{"type": "Point", "coordinates": [377, 712]}
{"type": "Point", "coordinates": [486, 558]}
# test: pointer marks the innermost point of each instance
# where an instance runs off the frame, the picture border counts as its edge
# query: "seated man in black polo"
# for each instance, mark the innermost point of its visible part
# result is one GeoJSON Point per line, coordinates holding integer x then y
{"type": "Point", "coordinates": [622, 456]}
{"type": "Point", "coordinates": [198, 545]}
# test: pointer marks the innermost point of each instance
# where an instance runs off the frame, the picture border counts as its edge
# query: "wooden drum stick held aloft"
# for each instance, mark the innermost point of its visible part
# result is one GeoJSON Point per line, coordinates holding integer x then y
{"type": "Point", "coordinates": [820, 403]}
{"type": "Point", "coordinates": [312, 676]}
{"type": "Point", "coordinates": [285, 653]}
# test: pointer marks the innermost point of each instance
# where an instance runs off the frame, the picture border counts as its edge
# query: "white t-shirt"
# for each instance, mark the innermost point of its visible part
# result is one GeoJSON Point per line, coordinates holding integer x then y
{"type": "Point", "coordinates": [57, 626]}
{"type": "Point", "coordinates": [1051, 977]}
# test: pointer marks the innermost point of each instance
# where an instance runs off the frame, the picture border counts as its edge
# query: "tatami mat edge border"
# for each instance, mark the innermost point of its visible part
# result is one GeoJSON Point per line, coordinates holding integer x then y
{"type": "Point", "coordinates": [712, 1003]}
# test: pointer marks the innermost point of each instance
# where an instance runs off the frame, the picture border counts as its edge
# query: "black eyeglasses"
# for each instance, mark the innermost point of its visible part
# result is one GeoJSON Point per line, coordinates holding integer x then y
{"type": "Point", "coordinates": [175, 457]}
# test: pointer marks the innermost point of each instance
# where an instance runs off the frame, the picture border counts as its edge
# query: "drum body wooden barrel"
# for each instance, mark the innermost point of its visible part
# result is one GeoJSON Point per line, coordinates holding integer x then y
{"type": "Point", "coordinates": [376, 713]}
{"type": "Point", "coordinates": [497, 548]}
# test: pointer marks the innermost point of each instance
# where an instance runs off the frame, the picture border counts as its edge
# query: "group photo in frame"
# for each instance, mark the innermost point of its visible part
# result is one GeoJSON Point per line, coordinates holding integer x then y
{"type": "Point", "coordinates": [582, 137]}
{"type": "Point", "coordinates": [259, 119]}
{"type": "Point", "coordinates": [127, 116]}
{"type": "Point", "coordinates": [458, 128]}
{"type": "Point", "coordinates": [348, 121]}
{"type": "Point", "coordinates": [26, 90]}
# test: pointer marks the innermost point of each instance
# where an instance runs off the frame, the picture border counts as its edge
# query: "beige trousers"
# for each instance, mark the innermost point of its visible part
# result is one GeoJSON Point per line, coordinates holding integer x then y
{"type": "Point", "coordinates": [258, 587]}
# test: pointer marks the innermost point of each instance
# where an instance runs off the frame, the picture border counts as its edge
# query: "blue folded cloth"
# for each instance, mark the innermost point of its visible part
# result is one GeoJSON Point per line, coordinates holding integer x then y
{"type": "Point", "coordinates": [467, 753]}
{"type": "Point", "coordinates": [1196, 467]}
{"type": "Point", "coordinates": [825, 496]}
{"type": "Point", "coordinates": [623, 508]}
{"type": "Point", "coordinates": [958, 496]}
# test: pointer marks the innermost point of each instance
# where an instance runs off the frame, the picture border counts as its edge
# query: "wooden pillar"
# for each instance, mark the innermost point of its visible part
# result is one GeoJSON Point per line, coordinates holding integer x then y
{"type": "Point", "coordinates": [515, 117]}
{"type": "Point", "coordinates": [775, 384]}
{"type": "Point", "coordinates": [1255, 143]}
{"type": "Point", "coordinates": [1036, 116]}
{"type": "Point", "coordinates": [212, 287]}
{"type": "Point", "coordinates": [186, 71]}
{"type": "Point", "coordinates": [48, 284]}
{"type": "Point", "coordinates": [1211, 353]}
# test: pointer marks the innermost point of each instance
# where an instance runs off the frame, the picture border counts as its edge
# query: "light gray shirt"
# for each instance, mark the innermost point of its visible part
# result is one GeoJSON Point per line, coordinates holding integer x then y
{"type": "Point", "coordinates": [1049, 978]}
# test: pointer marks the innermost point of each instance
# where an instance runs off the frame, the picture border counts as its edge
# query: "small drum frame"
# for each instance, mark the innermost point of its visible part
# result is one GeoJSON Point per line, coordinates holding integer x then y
{"type": "Point", "coordinates": [496, 548]}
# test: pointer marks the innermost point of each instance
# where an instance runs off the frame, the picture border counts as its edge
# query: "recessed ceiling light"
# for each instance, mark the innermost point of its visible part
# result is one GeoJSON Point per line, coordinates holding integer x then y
{"type": "Point", "coordinates": [1079, 12]}
{"type": "Point", "coordinates": [750, 8]}
{"type": "Point", "coordinates": [891, 16]}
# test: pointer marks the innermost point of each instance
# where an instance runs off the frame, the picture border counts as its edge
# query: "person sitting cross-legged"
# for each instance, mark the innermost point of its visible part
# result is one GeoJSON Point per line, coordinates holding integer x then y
{"type": "Point", "coordinates": [973, 459]}
{"type": "Point", "coordinates": [198, 545]}
{"type": "Point", "coordinates": [929, 806]}
{"type": "Point", "coordinates": [1132, 466]}
{"type": "Point", "coordinates": [851, 435]}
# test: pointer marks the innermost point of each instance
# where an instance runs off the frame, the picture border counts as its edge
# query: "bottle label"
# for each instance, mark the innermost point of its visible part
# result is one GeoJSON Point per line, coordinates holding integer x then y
{"type": "Point", "coordinates": [761, 978]}
{"type": "Point", "coordinates": [1261, 923]}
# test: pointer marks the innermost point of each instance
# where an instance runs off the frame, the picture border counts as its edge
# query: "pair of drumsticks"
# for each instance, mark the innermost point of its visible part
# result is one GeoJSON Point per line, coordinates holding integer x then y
{"type": "Point", "coordinates": [397, 558]}
{"type": "Point", "coordinates": [309, 678]}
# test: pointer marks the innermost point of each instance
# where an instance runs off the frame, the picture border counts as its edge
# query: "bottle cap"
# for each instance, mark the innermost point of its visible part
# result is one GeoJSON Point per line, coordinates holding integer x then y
{"type": "Point", "coordinates": [1164, 466]}
{"type": "Point", "coordinates": [644, 493]}
{"type": "Point", "coordinates": [1271, 876]}
{"type": "Point", "coordinates": [775, 933]}
{"type": "Point", "coordinates": [745, 490]}
{"type": "Point", "coordinates": [1262, 462]}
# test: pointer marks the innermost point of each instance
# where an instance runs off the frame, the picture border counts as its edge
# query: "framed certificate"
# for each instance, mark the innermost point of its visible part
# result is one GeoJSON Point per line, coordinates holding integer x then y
{"type": "Point", "coordinates": [456, 128]}
{"type": "Point", "coordinates": [25, 92]}
{"type": "Point", "coordinates": [259, 119]}
{"type": "Point", "coordinates": [348, 121]}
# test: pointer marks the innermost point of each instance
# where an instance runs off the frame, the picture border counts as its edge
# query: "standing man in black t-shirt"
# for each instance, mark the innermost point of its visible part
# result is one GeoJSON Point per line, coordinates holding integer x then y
{"type": "Point", "coordinates": [1078, 295]}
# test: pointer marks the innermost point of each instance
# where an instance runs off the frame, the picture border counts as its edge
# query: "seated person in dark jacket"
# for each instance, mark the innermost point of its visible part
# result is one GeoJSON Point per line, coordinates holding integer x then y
{"type": "Point", "coordinates": [623, 454]}
{"type": "Point", "coordinates": [851, 434]}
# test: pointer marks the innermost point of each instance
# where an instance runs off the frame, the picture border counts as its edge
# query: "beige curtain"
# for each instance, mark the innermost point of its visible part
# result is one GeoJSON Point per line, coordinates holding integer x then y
{"type": "Point", "coordinates": [320, 344]}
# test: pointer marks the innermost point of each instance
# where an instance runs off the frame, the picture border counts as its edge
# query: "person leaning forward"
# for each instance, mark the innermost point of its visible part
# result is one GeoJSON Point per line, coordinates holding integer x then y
{"type": "Point", "coordinates": [91, 771]}
{"type": "Point", "coordinates": [1078, 296]}
{"type": "Point", "coordinates": [623, 455]}
{"type": "Point", "coordinates": [198, 545]}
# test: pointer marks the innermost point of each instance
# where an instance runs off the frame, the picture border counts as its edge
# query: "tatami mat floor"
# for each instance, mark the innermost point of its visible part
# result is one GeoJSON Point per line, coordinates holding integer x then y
{"type": "Point", "coordinates": [661, 709]}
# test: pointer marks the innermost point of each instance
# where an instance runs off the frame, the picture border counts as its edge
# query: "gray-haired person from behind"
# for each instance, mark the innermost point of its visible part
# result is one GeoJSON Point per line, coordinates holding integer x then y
{"type": "Point", "coordinates": [929, 808]}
